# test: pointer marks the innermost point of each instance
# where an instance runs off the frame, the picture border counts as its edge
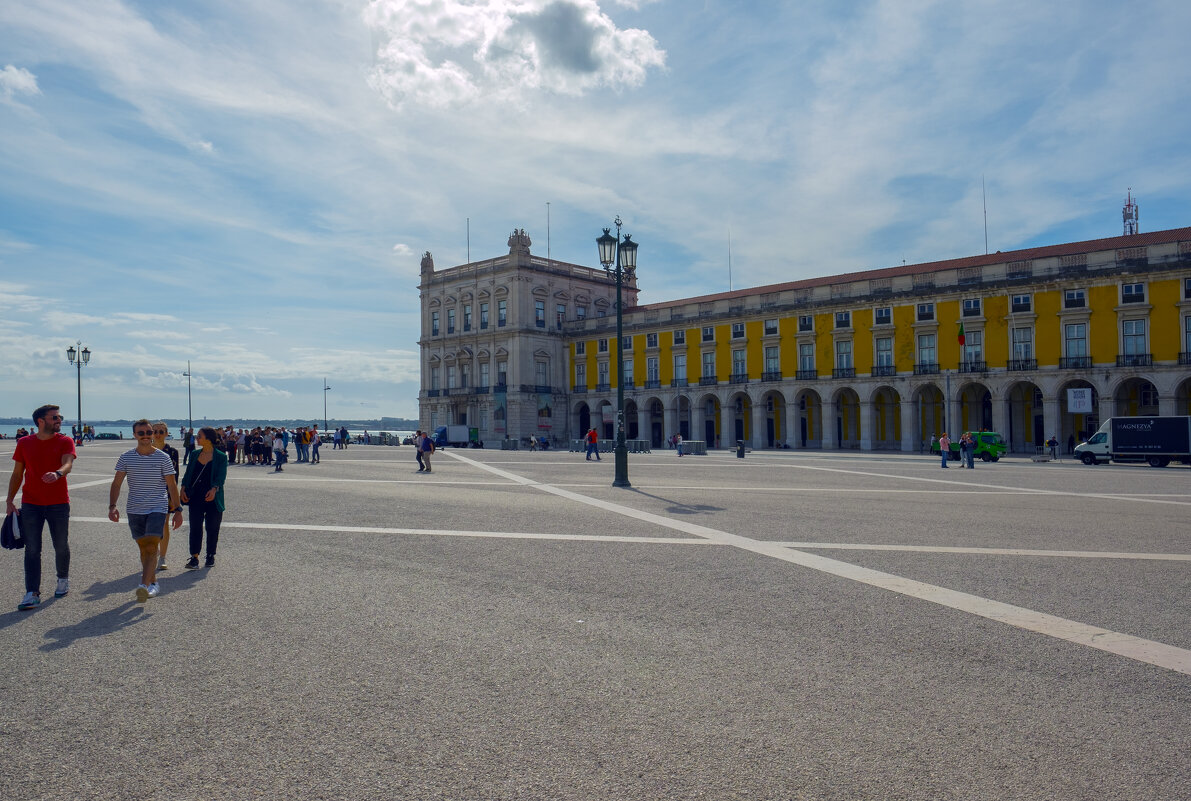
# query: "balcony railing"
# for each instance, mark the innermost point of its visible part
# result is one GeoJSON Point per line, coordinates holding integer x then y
{"type": "Point", "coordinates": [926, 368]}
{"type": "Point", "coordinates": [501, 387]}
{"type": "Point", "coordinates": [973, 366]}
{"type": "Point", "coordinates": [843, 372]}
{"type": "Point", "coordinates": [1135, 360]}
{"type": "Point", "coordinates": [1184, 357]}
{"type": "Point", "coordinates": [738, 378]}
{"type": "Point", "coordinates": [806, 375]}
{"type": "Point", "coordinates": [884, 370]}
{"type": "Point", "coordinates": [481, 390]}
{"type": "Point", "coordinates": [653, 383]}
{"type": "Point", "coordinates": [708, 381]}
{"type": "Point", "coordinates": [1075, 362]}
{"type": "Point", "coordinates": [433, 393]}
{"type": "Point", "coordinates": [1021, 364]}
{"type": "Point", "coordinates": [771, 375]}
{"type": "Point", "coordinates": [678, 382]}
{"type": "Point", "coordinates": [579, 389]}
{"type": "Point", "coordinates": [603, 388]}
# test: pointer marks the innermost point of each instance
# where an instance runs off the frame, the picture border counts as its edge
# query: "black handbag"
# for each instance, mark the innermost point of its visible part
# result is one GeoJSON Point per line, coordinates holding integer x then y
{"type": "Point", "coordinates": [10, 533]}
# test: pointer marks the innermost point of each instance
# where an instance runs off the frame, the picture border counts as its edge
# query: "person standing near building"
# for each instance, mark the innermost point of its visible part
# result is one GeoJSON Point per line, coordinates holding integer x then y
{"type": "Point", "coordinates": [314, 443]}
{"type": "Point", "coordinates": [418, 450]}
{"type": "Point", "coordinates": [678, 443]}
{"type": "Point", "coordinates": [43, 461]}
{"type": "Point", "coordinates": [278, 450]}
{"type": "Point", "coordinates": [202, 490]}
{"type": "Point", "coordinates": [160, 432]}
{"type": "Point", "coordinates": [593, 445]}
{"type": "Point", "coordinates": [152, 498]}
{"type": "Point", "coordinates": [945, 448]}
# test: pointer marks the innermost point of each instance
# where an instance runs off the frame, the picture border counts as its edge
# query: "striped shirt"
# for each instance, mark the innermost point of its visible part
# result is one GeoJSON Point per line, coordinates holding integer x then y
{"type": "Point", "coordinates": [147, 491]}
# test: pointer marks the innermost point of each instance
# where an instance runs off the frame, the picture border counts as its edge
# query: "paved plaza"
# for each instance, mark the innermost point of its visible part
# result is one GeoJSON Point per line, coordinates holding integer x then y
{"type": "Point", "coordinates": [788, 626]}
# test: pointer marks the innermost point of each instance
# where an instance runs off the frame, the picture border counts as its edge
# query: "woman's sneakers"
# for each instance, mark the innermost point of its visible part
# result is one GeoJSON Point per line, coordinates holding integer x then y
{"type": "Point", "coordinates": [192, 563]}
{"type": "Point", "coordinates": [31, 600]}
{"type": "Point", "coordinates": [63, 588]}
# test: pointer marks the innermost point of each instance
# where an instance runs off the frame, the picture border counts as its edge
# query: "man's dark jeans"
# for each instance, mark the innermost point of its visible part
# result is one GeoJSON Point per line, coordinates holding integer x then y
{"type": "Point", "coordinates": [32, 518]}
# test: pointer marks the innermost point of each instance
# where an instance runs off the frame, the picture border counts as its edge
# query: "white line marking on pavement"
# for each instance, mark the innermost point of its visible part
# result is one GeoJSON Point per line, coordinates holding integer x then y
{"type": "Point", "coordinates": [849, 546]}
{"type": "Point", "coordinates": [1137, 648]}
{"type": "Point", "coordinates": [83, 484]}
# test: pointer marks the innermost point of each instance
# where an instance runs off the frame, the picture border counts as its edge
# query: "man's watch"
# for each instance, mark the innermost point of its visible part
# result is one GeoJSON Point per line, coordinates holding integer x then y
{"type": "Point", "coordinates": [58, 473]}
{"type": "Point", "coordinates": [175, 511]}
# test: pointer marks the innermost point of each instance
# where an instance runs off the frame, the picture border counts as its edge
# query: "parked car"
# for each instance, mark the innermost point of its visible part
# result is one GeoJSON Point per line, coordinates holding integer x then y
{"type": "Point", "coordinates": [108, 435]}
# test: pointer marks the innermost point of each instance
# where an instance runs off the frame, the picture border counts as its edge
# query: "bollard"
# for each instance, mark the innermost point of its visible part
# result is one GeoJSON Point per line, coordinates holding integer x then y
{"type": "Point", "coordinates": [739, 449]}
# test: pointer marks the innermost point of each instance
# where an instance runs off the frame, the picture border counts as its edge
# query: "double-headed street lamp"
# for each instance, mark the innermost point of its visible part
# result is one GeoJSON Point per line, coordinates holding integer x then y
{"type": "Point", "coordinates": [326, 389]}
{"type": "Point", "coordinates": [189, 404]}
{"type": "Point", "coordinates": [623, 253]}
{"type": "Point", "coordinates": [78, 358]}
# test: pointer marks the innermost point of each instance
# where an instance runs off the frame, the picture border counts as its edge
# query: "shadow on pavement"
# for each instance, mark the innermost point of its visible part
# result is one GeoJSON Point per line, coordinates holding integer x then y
{"type": "Point", "coordinates": [96, 626]}
{"type": "Point", "coordinates": [16, 615]}
{"type": "Point", "coordinates": [677, 508]}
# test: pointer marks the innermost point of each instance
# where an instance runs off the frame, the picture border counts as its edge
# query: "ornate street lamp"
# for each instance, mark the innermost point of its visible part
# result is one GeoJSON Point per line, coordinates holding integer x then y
{"type": "Point", "coordinates": [77, 359]}
{"type": "Point", "coordinates": [189, 404]}
{"type": "Point", "coordinates": [623, 253]}
{"type": "Point", "coordinates": [326, 389]}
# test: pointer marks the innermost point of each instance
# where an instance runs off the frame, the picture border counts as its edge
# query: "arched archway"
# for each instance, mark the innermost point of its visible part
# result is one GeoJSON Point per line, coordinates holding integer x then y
{"type": "Point", "coordinates": [930, 421]}
{"type": "Point", "coordinates": [741, 406]}
{"type": "Point", "coordinates": [632, 427]}
{"type": "Point", "coordinates": [846, 404]}
{"type": "Point", "coordinates": [606, 421]}
{"type": "Point", "coordinates": [809, 430]}
{"type": "Point", "coordinates": [1024, 406]}
{"type": "Point", "coordinates": [1135, 396]}
{"type": "Point", "coordinates": [975, 409]}
{"type": "Point", "coordinates": [656, 422]}
{"type": "Point", "coordinates": [1182, 397]}
{"type": "Point", "coordinates": [708, 420]}
{"type": "Point", "coordinates": [886, 419]}
{"type": "Point", "coordinates": [1077, 424]}
{"type": "Point", "coordinates": [582, 419]}
{"type": "Point", "coordinates": [682, 416]}
{"type": "Point", "coordinates": [776, 432]}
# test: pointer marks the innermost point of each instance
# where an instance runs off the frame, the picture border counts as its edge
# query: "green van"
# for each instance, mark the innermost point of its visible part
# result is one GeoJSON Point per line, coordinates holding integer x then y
{"type": "Point", "coordinates": [989, 446]}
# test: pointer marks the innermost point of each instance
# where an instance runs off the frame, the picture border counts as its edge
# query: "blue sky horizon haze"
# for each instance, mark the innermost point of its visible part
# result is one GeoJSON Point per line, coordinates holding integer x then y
{"type": "Point", "coordinates": [250, 186]}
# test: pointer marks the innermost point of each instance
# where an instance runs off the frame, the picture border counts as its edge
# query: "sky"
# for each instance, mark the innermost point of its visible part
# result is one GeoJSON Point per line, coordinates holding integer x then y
{"type": "Point", "coordinates": [248, 188]}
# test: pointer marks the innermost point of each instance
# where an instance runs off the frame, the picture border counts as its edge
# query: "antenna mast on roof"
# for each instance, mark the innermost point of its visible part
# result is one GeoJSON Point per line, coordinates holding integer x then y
{"type": "Point", "coordinates": [729, 258]}
{"type": "Point", "coordinates": [984, 194]}
{"type": "Point", "coordinates": [1129, 213]}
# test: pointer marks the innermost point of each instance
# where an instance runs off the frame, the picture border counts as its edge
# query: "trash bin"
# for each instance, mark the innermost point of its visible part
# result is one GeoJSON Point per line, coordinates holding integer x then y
{"type": "Point", "coordinates": [739, 449]}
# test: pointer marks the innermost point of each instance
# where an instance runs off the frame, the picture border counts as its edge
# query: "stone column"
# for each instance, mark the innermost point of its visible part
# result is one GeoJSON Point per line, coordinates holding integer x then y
{"type": "Point", "coordinates": [866, 426]}
{"type": "Point", "coordinates": [792, 428]}
{"type": "Point", "coordinates": [1000, 417]}
{"type": "Point", "coordinates": [727, 426]}
{"type": "Point", "coordinates": [1050, 421]}
{"type": "Point", "coordinates": [669, 426]}
{"type": "Point", "coordinates": [830, 421]}
{"type": "Point", "coordinates": [644, 430]}
{"type": "Point", "coordinates": [757, 424]}
{"type": "Point", "coordinates": [698, 417]}
{"type": "Point", "coordinates": [906, 409]}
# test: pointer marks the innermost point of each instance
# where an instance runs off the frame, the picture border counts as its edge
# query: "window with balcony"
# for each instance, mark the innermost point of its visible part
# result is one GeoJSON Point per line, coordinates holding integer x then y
{"type": "Point", "coordinates": [581, 374]}
{"type": "Point", "coordinates": [541, 370]}
{"type": "Point", "coordinates": [843, 359]}
{"type": "Point", "coordinates": [450, 321]}
{"type": "Point", "coordinates": [450, 378]}
{"type": "Point", "coordinates": [806, 323]}
{"type": "Point", "coordinates": [971, 307]}
{"type": "Point", "coordinates": [434, 378]}
{"type": "Point", "coordinates": [601, 312]}
{"type": "Point", "coordinates": [539, 313]}
{"type": "Point", "coordinates": [580, 312]}
{"type": "Point", "coordinates": [602, 346]}
{"type": "Point", "coordinates": [1187, 289]}
{"type": "Point", "coordinates": [883, 364]}
{"type": "Point", "coordinates": [806, 360]}
{"type": "Point", "coordinates": [1075, 346]}
{"type": "Point", "coordinates": [770, 327]}
{"type": "Point", "coordinates": [628, 373]}
{"type": "Point", "coordinates": [843, 319]}
{"type": "Point", "coordinates": [1021, 303]}
{"type": "Point", "coordinates": [580, 348]}
{"type": "Point", "coordinates": [602, 375]}
{"type": "Point", "coordinates": [467, 317]}
{"type": "Point", "coordinates": [708, 374]}
{"type": "Point", "coordinates": [739, 368]}
{"type": "Point", "coordinates": [502, 313]}
{"type": "Point", "coordinates": [680, 337]}
{"type": "Point", "coordinates": [680, 369]}
{"type": "Point", "coordinates": [883, 316]}
{"type": "Point", "coordinates": [651, 340]}
{"type": "Point", "coordinates": [926, 312]}
{"type": "Point", "coordinates": [560, 315]}
{"type": "Point", "coordinates": [626, 343]}
{"type": "Point", "coordinates": [1075, 299]}
{"type": "Point", "coordinates": [464, 376]}
{"type": "Point", "coordinates": [653, 373]}
{"type": "Point", "coordinates": [772, 364]}
{"type": "Point", "coordinates": [1133, 337]}
{"type": "Point", "coordinates": [928, 358]}
{"type": "Point", "coordinates": [973, 353]}
{"type": "Point", "coordinates": [708, 333]}
{"type": "Point", "coordinates": [502, 373]}
{"type": "Point", "coordinates": [484, 374]}
{"type": "Point", "coordinates": [483, 316]}
{"type": "Point", "coordinates": [738, 330]}
{"type": "Point", "coordinates": [1133, 293]}
{"type": "Point", "coordinates": [1023, 343]}
{"type": "Point", "coordinates": [433, 324]}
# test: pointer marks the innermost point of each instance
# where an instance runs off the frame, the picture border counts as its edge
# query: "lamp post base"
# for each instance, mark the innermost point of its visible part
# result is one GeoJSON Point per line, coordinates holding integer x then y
{"type": "Point", "coordinates": [622, 466]}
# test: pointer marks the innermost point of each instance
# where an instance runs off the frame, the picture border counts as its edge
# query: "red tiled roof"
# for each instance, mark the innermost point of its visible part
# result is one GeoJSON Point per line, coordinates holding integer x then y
{"type": "Point", "coordinates": [1047, 251]}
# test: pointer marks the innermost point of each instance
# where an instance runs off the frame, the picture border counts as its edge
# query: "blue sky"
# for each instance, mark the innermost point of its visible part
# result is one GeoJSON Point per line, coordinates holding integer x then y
{"type": "Point", "coordinates": [250, 185]}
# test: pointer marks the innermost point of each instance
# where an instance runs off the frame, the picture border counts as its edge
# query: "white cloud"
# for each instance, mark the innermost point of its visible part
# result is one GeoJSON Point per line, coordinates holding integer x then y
{"type": "Point", "coordinates": [448, 52]}
{"type": "Point", "coordinates": [402, 249]}
{"type": "Point", "coordinates": [16, 81]}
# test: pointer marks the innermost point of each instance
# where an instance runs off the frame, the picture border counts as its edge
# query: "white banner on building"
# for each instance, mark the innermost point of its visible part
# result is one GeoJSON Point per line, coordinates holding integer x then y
{"type": "Point", "coordinates": [609, 414]}
{"type": "Point", "coordinates": [1079, 401]}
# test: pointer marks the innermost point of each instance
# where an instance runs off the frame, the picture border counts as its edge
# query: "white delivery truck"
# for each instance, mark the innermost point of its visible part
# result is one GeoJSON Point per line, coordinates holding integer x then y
{"type": "Point", "coordinates": [1156, 441]}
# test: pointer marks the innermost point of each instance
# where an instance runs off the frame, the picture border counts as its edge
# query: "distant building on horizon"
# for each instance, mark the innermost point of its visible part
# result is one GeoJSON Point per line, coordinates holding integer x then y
{"type": "Point", "coordinates": [523, 346]}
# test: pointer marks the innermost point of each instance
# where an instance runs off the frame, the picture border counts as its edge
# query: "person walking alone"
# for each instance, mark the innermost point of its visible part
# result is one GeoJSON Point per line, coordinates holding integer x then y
{"type": "Point", "coordinates": [152, 497]}
{"type": "Point", "coordinates": [427, 449]}
{"type": "Point", "coordinates": [945, 448]}
{"type": "Point", "coordinates": [418, 450]}
{"type": "Point", "coordinates": [202, 489]}
{"type": "Point", "coordinates": [593, 445]}
{"type": "Point", "coordinates": [43, 461]}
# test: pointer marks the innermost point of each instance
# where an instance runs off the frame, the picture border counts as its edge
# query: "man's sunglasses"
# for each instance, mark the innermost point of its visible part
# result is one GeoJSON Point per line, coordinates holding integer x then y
{"type": "Point", "coordinates": [144, 433]}
{"type": "Point", "coordinates": [57, 417]}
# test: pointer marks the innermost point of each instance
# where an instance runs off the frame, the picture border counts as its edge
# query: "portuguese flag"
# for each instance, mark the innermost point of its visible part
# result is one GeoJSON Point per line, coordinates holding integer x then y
{"type": "Point", "coordinates": [961, 334]}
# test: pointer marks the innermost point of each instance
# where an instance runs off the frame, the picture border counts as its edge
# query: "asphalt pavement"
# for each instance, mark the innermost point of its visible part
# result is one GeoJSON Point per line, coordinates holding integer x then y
{"type": "Point", "coordinates": [793, 625]}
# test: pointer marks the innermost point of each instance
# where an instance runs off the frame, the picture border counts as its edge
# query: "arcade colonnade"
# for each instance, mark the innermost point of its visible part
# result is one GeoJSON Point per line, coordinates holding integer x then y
{"type": "Point", "coordinates": [884, 414]}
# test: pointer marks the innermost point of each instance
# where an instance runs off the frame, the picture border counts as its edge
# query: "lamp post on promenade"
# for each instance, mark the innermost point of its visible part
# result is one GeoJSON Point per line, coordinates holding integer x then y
{"type": "Point", "coordinates": [77, 359]}
{"type": "Point", "coordinates": [621, 251]}
{"type": "Point", "coordinates": [326, 389]}
{"type": "Point", "coordinates": [189, 404]}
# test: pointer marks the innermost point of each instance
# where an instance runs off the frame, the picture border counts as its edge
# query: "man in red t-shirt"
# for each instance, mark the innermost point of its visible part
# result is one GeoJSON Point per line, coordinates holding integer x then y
{"type": "Point", "coordinates": [42, 462]}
